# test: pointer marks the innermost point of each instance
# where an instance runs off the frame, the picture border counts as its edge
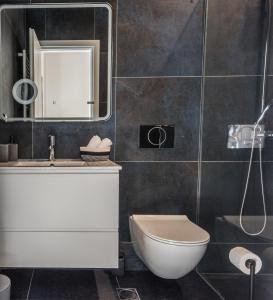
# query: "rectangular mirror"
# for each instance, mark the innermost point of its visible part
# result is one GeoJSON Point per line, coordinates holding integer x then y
{"type": "Point", "coordinates": [56, 62]}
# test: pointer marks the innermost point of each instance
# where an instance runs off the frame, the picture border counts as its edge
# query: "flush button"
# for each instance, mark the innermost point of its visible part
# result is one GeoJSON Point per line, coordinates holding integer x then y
{"type": "Point", "coordinates": [156, 136]}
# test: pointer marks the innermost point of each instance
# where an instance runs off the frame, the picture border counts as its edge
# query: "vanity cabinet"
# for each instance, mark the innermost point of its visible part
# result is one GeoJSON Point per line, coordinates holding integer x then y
{"type": "Point", "coordinates": [59, 216]}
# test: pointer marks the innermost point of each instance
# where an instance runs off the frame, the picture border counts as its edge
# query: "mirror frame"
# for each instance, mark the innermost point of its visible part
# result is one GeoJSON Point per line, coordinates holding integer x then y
{"type": "Point", "coordinates": [109, 59]}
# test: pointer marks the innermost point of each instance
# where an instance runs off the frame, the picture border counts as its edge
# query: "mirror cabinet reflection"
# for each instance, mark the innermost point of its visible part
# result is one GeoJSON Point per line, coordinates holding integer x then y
{"type": "Point", "coordinates": [56, 62]}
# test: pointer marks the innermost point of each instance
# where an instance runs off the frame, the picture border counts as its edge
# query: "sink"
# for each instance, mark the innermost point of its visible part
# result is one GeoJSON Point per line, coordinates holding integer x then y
{"type": "Point", "coordinates": [68, 163]}
{"type": "Point", "coordinates": [47, 163]}
{"type": "Point", "coordinates": [31, 163]}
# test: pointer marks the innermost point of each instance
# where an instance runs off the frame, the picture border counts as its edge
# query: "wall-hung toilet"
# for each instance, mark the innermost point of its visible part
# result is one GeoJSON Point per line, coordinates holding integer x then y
{"type": "Point", "coordinates": [169, 245]}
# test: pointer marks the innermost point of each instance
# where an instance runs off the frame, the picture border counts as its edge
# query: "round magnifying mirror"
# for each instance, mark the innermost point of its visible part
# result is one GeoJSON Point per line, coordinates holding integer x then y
{"type": "Point", "coordinates": [25, 91]}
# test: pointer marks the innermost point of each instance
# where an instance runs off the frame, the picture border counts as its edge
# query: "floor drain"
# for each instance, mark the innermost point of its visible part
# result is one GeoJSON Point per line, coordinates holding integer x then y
{"type": "Point", "coordinates": [128, 294]}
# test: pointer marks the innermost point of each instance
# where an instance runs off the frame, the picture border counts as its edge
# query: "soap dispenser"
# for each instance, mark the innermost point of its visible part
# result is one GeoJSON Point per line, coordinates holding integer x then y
{"type": "Point", "coordinates": [13, 149]}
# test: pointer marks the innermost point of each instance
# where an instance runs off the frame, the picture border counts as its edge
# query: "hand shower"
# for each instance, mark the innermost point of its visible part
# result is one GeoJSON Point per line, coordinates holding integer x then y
{"type": "Point", "coordinates": [263, 113]}
{"type": "Point", "coordinates": [261, 117]}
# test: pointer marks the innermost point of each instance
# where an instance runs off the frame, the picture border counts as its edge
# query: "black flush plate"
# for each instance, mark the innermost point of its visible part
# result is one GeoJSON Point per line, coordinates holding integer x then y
{"type": "Point", "coordinates": [156, 136]}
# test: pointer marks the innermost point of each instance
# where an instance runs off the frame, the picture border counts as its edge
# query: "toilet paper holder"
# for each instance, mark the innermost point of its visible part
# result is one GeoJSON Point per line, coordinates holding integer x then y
{"type": "Point", "coordinates": [247, 262]}
{"type": "Point", "coordinates": [251, 264]}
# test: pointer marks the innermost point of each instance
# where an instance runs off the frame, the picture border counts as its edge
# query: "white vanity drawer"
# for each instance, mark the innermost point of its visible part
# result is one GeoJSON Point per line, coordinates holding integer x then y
{"type": "Point", "coordinates": [59, 249]}
{"type": "Point", "coordinates": [59, 202]}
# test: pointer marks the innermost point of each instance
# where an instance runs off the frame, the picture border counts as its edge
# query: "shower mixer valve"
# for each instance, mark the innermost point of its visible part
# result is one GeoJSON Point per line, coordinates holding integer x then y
{"type": "Point", "coordinates": [241, 136]}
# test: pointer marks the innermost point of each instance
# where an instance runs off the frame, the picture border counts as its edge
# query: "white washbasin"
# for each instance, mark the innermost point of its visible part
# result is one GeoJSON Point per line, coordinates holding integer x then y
{"type": "Point", "coordinates": [31, 163]}
{"type": "Point", "coordinates": [47, 163]}
{"type": "Point", "coordinates": [68, 163]}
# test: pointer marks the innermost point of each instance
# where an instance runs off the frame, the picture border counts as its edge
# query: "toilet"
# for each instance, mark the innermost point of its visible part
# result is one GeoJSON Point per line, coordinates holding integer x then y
{"type": "Point", "coordinates": [169, 245]}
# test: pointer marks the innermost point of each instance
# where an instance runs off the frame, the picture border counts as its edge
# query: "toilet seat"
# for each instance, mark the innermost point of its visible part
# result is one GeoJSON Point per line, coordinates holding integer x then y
{"type": "Point", "coordinates": [171, 229]}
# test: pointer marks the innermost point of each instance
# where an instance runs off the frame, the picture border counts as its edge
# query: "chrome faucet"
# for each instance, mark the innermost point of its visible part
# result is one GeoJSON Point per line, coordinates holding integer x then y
{"type": "Point", "coordinates": [51, 147]}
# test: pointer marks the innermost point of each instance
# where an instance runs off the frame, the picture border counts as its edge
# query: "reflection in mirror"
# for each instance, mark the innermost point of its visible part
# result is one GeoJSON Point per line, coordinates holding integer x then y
{"type": "Point", "coordinates": [65, 53]}
{"type": "Point", "coordinates": [24, 91]}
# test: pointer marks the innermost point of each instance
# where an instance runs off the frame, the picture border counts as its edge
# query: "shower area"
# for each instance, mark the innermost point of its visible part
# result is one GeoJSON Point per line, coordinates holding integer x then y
{"type": "Point", "coordinates": [237, 89]}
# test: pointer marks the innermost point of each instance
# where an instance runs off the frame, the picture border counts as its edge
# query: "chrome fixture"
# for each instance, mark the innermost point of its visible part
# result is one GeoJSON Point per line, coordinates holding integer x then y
{"type": "Point", "coordinates": [249, 135]}
{"type": "Point", "coordinates": [241, 136]}
{"type": "Point", "coordinates": [51, 147]}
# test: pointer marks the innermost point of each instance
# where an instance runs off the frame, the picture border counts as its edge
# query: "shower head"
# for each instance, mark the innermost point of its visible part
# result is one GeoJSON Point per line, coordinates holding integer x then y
{"type": "Point", "coordinates": [264, 112]}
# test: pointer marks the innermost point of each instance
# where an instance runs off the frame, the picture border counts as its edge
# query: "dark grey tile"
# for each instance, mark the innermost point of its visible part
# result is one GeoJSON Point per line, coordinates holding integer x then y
{"type": "Point", "coordinates": [36, 19]}
{"type": "Point", "coordinates": [227, 101]}
{"type": "Point", "coordinates": [101, 16]}
{"type": "Point", "coordinates": [270, 60]}
{"type": "Point", "coordinates": [15, 1]}
{"type": "Point", "coordinates": [16, 17]}
{"type": "Point", "coordinates": [156, 188]}
{"type": "Point", "coordinates": [216, 259]}
{"type": "Point", "coordinates": [67, 1]}
{"type": "Point", "coordinates": [132, 262]}
{"type": "Point", "coordinates": [103, 77]}
{"type": "Point", "coordinates": [20, 282]}
{"type": "Point", "coordinates": [22, 132]}
{"type": "Point", "coordinates": [63, 285]}
{"type": "Point", "coordinates": [268, 121]}
{"type": "Point", "coordinates": [234, 36]}
{"type": "Point", "coordinates": [173, 101]}
{"type": "Point", "coordinates": [235, 287]}
{"type": "Point", "coordinates": [105, 285]}
{"type": "Point", "coordinates": [151, 287]}
{"type": "Point", "coordinates": [222, 188]}
{"type": "Point", "coordinates": [69, 23]}
{"type": "Point", "coordinates": [159, 37]}
{"type": "Point", "coordinates": [70, 136]}
{"type": "Point", "coordinates": [193, 287]}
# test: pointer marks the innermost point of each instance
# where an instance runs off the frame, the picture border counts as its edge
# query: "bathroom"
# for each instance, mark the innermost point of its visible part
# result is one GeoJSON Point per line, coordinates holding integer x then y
{"type": "Point", "coordinates": [190, 68]}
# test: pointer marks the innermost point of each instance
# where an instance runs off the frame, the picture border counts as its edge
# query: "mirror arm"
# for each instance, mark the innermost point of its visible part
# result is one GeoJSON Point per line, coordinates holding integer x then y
{"type": "Point", "coordinates": [4, 117]}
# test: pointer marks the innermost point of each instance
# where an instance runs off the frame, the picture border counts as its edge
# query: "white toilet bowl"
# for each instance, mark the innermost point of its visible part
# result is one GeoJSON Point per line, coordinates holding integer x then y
{"type": "Point", "coordinates": [169, 245]}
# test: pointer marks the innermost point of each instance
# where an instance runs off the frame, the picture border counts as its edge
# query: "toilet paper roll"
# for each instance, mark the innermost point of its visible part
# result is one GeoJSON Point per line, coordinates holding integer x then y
{"type": "Point", "coordinates": [238, 257]}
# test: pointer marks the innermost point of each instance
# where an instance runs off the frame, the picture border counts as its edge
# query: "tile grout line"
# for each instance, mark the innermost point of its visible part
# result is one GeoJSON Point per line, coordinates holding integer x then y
{"type": "Point", "coordinates": [115, 78]}
{"type": "Point", "coordinates": [189, 161]}
{"type": "Point", "coordinates": [202, 102]}
{"type": "Point", "coordinates": [211, 286]}
{"type": "Point", "coordinates": [236, 274]}
{"type": "Point", "coordinates": [156, 161]}
{"type": "Point", "coordinates": [239, 242]}
{"type": "Point", "coordinates": [30, 283]}
{"type": "Point", "coordinates": [187, 76]}
{"type": "Point", "coordinates": [32, 143]}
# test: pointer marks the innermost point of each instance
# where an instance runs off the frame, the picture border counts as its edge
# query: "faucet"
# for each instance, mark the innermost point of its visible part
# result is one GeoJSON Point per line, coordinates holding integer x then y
{"type": "Point", "coordinates": [51, 147]}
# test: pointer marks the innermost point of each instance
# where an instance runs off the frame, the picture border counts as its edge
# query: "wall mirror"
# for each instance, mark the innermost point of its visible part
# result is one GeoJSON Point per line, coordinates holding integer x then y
{"type": "Point", "coordinates": [56, 62]}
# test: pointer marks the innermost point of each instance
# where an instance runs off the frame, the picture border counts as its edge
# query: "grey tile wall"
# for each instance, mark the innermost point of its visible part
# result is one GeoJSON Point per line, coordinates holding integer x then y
{"type": "Point", "coordinates": [159, 79]}
{"type": "Point", "coordinates": [234, 36]}
{"type": "Point", "coordinates": [159, 38]}
{"type": "Point", "coordinates": [156, 188]}
{"type": "Point", "coordinates": [232, 96]}
{"type": "Point", "coordinates": [174, 101]}
{"type": "Point", "coordinates": [228, 100]}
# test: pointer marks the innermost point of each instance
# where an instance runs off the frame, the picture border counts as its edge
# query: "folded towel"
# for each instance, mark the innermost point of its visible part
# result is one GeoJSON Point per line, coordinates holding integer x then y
{"type": "Point", "coordinates": [94, 142]}
{"type": "Point", "coordinates": [105, 143]}
{"type": "Point", "coordinates": [95, 150]}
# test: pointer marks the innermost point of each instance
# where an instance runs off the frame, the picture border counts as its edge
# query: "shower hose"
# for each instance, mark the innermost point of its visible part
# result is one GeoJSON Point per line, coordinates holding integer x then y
{"type": "Point", "coordinates": [247, 183]}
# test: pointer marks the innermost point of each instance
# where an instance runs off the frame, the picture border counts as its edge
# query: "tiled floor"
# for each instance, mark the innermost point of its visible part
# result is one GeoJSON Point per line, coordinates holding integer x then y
{"type": "Point", "coordinates": [235, 287]}
{"type": "Point", "coordinates": [43, 284]}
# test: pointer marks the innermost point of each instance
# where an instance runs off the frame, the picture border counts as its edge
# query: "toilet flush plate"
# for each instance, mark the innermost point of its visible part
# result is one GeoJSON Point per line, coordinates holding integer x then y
{"type": "Point", "coordinates": [156, 136]}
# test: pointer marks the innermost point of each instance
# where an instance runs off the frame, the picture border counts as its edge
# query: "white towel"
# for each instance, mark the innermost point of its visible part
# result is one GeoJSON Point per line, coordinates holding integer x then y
{"type": "Point", "coordinates": [94, 142]}
{"type": "Point", "coordinates": [105, 143]}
